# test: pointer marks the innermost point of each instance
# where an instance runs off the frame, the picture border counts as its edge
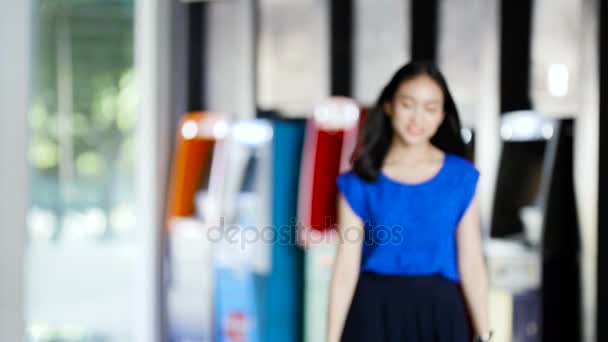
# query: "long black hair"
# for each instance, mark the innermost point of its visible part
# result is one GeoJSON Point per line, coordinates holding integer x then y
{"type": "Point", "coordinates": [377, 132]}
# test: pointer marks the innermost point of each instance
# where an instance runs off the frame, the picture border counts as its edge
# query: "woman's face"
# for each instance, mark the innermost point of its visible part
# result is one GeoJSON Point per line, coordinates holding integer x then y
{"type": "Point", "coordinates": [416, 111]}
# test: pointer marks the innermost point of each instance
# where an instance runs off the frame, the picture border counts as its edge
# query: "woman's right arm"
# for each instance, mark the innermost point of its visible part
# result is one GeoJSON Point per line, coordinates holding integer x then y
{"type": "Point", "coordinates": [346, 268]}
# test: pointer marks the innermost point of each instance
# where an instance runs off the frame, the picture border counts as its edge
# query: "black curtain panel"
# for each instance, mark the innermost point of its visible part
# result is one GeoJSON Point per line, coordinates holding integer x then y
{"type": "Point", "coordinates": [515, 37]}
{"type": "Point", "coordinates": [196, 54]}
{"type": "Point", "coordinates": [341, 47]}
{"type": "Point", "coordinates": [561, 245]}
{"type": "Point", "coordinates": [424, 15]}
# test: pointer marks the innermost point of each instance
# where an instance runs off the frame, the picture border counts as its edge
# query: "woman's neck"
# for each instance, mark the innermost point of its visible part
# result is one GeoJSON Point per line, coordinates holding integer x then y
{"type": "Point", "coordinates": [403, 153]}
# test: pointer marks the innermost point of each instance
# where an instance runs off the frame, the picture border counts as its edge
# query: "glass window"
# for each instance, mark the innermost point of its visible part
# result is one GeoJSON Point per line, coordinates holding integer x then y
{"type": "Point", "coordinates": [81, 217]}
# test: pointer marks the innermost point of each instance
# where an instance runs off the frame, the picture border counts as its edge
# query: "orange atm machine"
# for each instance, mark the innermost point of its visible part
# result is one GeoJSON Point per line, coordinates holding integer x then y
{"type": "Point", "coordinates": [221, 178]}
{"type": "Point", "coordinates": [189, 295]}
{"type": "Point", "coordinates": [198, 133]}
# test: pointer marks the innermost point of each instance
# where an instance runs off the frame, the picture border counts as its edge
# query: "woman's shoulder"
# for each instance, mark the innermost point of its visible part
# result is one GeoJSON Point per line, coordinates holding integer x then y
{"type": "Point", "coordinates": [351, 176]}
{"type": "Point", "coordinates": [354, 190]}
{"type": "Point", "coordinates": [462, 164]}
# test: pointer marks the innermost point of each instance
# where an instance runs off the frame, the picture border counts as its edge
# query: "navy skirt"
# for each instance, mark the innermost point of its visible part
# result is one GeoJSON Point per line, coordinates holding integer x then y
{"type": "Point", "coordinates": [393, 308]}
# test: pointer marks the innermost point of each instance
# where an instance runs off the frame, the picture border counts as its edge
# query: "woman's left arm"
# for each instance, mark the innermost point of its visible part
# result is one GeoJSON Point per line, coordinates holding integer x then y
{"type": "Point", "coordinates": [472, 268]}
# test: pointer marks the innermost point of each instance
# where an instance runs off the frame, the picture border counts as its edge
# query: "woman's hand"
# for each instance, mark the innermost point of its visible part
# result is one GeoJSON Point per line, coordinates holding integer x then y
{"type": "Point", "coordinates": [346, 268]}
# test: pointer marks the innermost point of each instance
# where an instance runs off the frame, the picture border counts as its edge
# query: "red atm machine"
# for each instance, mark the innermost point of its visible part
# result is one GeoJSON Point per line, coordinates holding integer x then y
{"type": "Point", "coordinates": [329, 142]}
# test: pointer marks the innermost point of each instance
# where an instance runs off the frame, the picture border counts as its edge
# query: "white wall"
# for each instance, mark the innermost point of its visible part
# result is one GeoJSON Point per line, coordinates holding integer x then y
{"type": "Point", "coordinates": [463, 26]}
{"type": "Point", "coordinates": [381, 45]}
{"type": "Point", "coordinates": [556, 39]}
{"type": "Point", "coordinates": [230, 58]}
{"type": "Point", "coordinates": [293, 58]}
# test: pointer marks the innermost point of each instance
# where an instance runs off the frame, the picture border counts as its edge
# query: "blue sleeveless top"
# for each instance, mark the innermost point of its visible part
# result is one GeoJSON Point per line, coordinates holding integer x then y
{"type": "Point", "coordinates": [410, 227]}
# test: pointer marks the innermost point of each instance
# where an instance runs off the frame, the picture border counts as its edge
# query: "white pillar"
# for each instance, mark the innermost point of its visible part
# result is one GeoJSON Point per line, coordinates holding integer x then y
{"type": "Point", "coordinates": [469, 37]}
{"type": "Point", "coordinates": [586, 159]}
{"type": "Point", "coordinates": [152, 65]}
{"type": "Point", "coordinates": [15, 68]}
{"type": "Point", "coordinates": [486, 121]}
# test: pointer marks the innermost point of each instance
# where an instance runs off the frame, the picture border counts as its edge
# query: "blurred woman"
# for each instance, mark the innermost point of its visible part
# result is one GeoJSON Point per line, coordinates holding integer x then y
{"type": "Point", "coordinates": [408, 223]}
